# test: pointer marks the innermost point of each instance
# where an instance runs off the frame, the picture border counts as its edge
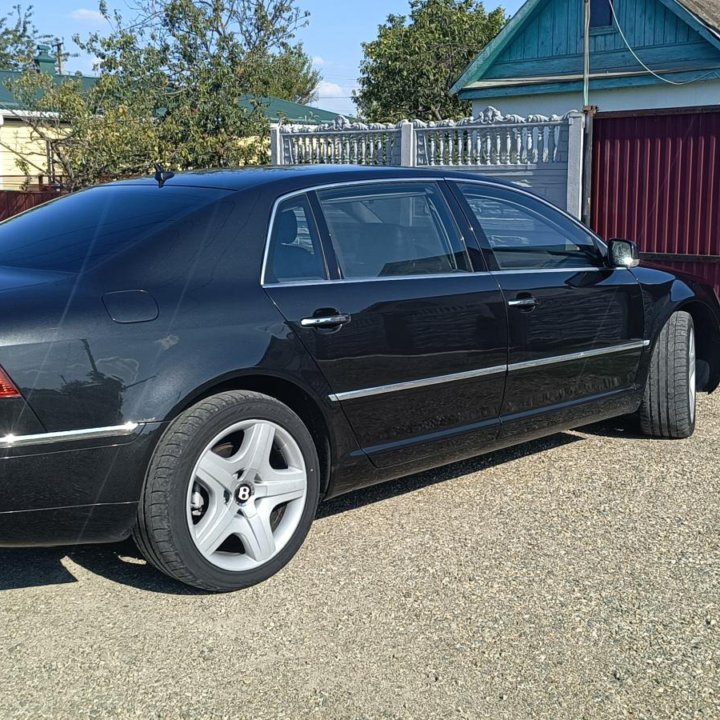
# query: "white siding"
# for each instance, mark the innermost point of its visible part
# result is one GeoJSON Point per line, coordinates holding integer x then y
{"type": "Point", "coordinates": [647, 97]}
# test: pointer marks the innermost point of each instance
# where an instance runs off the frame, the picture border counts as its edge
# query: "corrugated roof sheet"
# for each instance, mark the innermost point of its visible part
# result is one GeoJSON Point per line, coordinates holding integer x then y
{"type": "Point", "coordinates": [706, 10]}
{"type": "Point", "coordinates": [275, 109]}
{"type": "Point", "coordinates": [9, 102]}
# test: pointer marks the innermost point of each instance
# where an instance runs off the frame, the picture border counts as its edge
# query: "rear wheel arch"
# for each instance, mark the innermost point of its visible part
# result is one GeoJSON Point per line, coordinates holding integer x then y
{"type": "Point", "coordinates": [231, 492]}
{"type": "Point", "coordinates": [299, 400]}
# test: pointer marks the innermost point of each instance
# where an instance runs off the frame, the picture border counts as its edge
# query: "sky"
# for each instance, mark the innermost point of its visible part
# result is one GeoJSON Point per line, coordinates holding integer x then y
{"type": "Point", "coordinates": [333, 36]}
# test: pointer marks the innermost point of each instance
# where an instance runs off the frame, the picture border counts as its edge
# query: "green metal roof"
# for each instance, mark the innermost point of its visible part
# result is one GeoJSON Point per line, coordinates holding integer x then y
{"type": "Point", "coordinates": [277, 110]}
{"type": "Point", "coordinates": [9, 102]}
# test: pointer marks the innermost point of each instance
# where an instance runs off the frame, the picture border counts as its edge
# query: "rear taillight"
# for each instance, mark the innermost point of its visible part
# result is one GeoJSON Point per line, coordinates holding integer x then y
{"type": "Point", "coordinates": [7, 386]}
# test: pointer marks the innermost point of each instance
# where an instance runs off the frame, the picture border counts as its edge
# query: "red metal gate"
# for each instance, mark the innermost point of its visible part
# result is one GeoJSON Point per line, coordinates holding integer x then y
{"type": "Point", "coordinates": [13, 202]}
{"type": "Point", "coordinates": [656, 180]}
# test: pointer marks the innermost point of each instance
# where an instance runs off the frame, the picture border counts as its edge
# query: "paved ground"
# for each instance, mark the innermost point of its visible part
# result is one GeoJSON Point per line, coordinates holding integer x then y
{"type": "Point", "coordinates": [578, 577]}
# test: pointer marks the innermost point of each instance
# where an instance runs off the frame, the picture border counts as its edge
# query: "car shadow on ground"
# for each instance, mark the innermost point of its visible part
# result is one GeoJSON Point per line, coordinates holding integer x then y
{"type": "Point", "coordinates": [122, 562]}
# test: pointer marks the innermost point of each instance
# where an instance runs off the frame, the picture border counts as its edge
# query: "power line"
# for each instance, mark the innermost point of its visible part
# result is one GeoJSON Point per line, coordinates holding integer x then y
{"type": "Point", "coordinates": [650, 70]}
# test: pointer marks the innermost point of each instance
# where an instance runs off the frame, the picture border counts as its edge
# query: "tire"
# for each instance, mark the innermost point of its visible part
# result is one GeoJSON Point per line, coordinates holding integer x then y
{"type": "Point", "coordinates": [230, 492]}
{"type": "Point", "coordinates": [668, 405]}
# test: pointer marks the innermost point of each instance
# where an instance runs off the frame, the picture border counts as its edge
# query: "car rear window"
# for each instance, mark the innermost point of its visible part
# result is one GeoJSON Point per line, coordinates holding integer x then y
{"type": "Point", "coordinates": [80, 230]}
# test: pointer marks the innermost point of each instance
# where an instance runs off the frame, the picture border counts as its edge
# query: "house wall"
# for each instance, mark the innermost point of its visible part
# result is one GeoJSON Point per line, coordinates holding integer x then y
{"type": "Point", "coordinates": [551, 42]}
{"type": "Point", "coordinates": [16, 139]}
{"type": "Point", "coordinates": [549, 45]}
{"type": "Point", "coordinates": [649, 97]}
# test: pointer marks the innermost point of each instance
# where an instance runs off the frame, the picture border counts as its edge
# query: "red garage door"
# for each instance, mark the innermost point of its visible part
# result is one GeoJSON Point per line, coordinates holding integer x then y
{"type": "Point", "coordinates": [656, 180]}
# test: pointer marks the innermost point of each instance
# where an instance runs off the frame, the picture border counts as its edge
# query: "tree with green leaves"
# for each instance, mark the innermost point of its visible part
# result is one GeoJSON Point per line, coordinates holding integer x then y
{"type": "Point", "coordinates": [18, 38]}
{"type": "Point", "coordinates": [288, 74]}
{"type": "Point", "coordinates": [87, 141]}
{"type": "Point", "coordinates": [407, 72]}
{"type": "Point", "coordinates": [169, 89]}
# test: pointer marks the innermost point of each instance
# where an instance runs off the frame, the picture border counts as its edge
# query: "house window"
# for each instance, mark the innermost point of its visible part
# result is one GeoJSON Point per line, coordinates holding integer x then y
{"type": "Point", "coordinates": [601, 13]}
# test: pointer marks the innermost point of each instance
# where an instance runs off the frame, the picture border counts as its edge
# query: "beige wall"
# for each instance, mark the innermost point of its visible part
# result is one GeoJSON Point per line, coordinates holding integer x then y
{"type": "Point", "coordinates": [16, 137]}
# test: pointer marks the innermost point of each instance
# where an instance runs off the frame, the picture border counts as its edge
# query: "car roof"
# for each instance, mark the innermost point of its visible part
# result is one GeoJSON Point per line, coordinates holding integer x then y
{"type": "Point", "coordinates": [298, 175]}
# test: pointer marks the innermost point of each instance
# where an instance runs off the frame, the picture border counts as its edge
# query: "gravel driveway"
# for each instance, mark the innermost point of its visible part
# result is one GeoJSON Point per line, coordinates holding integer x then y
{"type": "Point", "coordinates": [576, 577]}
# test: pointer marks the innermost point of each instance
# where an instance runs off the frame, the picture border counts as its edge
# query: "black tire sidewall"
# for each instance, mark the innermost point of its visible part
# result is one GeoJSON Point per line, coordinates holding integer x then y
{"type": "Point", "coordinates": [665, 408]}
{"type": "Point", "coordinates": [692, 411]}
{"type": "Point", "coordinates": [195, 563]}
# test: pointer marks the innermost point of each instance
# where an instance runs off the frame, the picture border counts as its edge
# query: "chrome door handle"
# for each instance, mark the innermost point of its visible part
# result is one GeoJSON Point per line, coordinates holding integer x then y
{"type": "Point", "coordinates": [325, 321]}
{"type": "Point", "coordinates": [528, 302]}
{"type": "Point", "coordinates": [523, 302]}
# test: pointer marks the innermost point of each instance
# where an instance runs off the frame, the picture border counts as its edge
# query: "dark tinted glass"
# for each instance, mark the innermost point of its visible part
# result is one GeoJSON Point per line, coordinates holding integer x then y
{"type": "Point", "coordinates": [525, 233]}
{"type": "Point", "coordinates": [80, 230]}
{"type": "Point", "coordinates": [600, 13]}
{"type": "Point", "coordinates": [392, 229]}
{"type": "Point", "coordinates": [295, 251]}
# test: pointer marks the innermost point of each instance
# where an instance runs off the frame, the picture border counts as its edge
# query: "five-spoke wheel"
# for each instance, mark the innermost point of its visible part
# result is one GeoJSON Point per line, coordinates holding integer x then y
{"type": "Point", "coordinates": [231, 492]}
{"type": "Point", "coordinates": [248, 494]}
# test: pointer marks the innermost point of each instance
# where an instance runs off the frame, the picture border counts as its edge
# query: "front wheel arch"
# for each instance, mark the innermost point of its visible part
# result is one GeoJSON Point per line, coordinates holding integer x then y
{"type": "Point", "coordinates": [707, 338]}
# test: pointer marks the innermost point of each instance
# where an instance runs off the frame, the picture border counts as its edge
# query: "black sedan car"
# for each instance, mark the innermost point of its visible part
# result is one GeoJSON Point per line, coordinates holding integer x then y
{"type": "Point", "coordinates": [198, 361]}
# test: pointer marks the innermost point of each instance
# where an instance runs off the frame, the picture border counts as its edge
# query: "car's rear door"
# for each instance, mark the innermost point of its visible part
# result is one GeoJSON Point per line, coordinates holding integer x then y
{"type": "Point", "coordinates": [575, 324]}
{"type": "Point", "coordinates": [412, 340]}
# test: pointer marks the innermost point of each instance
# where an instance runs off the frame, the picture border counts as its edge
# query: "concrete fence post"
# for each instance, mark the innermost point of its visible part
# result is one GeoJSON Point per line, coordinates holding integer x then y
{"type": "Point", "coordinates": [407, 144]}
{"type": "Point", "coordinates": [576, 125]}
{"type": "Point", "coordinates": [276, 145]}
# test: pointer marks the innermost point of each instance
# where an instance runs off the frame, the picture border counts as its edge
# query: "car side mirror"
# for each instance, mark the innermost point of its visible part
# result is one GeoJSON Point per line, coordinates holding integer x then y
{"type": "Point", "coordinates": [623, 253]}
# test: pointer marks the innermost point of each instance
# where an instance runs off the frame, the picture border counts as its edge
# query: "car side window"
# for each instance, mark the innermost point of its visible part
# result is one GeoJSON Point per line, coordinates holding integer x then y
{"type": "Point", "coordinates": [525, 233]}
{"type": "Point", "coordinates": [295, 252]}
{"type": "Point", "coordinates": [392, 229]}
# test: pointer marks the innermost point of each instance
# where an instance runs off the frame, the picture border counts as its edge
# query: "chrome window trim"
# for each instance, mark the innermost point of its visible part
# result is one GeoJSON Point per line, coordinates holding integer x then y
{"type": "Point", "coordinates": [460, 273]}
{"type": "Point", "coordinates": [494, 370]}
{"type": "Point", "coordinates": [519, 271]}
{"type": "Point", "coordinates": [431, 179]}
{"type": "Point", "coordinates": [332, 186]}
{"type": "Point", "coordinates": [13, 441]}
{"type": "Point", "coordinates": [345, 281]}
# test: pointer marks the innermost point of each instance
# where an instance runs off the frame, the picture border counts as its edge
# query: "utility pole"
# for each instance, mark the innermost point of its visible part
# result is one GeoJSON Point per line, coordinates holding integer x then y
{"type": "Point", "coordinates": [588, 112]}
{"type": "Point", "coordinates": [586, 53]}
{"type": "Point", "coordinates": [59, 55]}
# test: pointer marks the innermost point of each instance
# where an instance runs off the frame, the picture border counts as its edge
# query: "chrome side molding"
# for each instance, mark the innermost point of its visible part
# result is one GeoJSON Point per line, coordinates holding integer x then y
{"type": "Point", "coordinates": [494, 370]}
{"type": "Point", "coordinates": [12, 441]}
{"type": "Point", "coordinates": [556, 359]}
{"type": "Point", "coordinates": [424, 382]}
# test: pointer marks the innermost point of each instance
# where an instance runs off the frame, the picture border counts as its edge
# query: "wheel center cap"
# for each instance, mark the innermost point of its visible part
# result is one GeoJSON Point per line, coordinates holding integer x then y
{"type": "Point", "coordinates": [243, 493]}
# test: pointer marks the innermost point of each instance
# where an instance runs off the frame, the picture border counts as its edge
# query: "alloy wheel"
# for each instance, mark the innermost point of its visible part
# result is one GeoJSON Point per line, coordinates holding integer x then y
{"type": "Point", "coordinates": [246, 495]}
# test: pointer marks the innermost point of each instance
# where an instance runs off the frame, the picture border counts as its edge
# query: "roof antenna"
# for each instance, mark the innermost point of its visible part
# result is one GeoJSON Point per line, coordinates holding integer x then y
{"type": "Point", "coordinates": [162, 175]}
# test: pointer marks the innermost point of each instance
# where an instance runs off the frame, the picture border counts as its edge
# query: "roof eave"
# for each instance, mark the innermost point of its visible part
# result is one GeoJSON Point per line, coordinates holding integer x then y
{"type": "Point", "coordinates": [707, 32]}
{"type": "Point", "coordinates": [573, 83]}
{"type": "Point", "coordinates": [488, 54]}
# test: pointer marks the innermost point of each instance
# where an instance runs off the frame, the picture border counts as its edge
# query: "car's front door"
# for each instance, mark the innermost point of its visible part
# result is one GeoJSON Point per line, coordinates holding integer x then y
{"type": "Point", "coordinates": [576, 325]}
{"type": "Point", "coordinates": [412, 341]}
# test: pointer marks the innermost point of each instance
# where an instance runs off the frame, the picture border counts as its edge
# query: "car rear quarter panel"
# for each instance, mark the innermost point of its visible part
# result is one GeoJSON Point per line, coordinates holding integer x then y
{"type": "Point", "coordinates": [78, 368]}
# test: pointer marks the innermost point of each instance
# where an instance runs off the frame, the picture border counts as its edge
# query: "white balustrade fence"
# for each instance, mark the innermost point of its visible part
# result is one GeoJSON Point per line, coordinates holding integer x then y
{"type": "Point", "coordinates": [351, 146]}
{"type": "Point", "coordinates": [505, 144]}
{"type": "Point", "coordinates": [542, 153]}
